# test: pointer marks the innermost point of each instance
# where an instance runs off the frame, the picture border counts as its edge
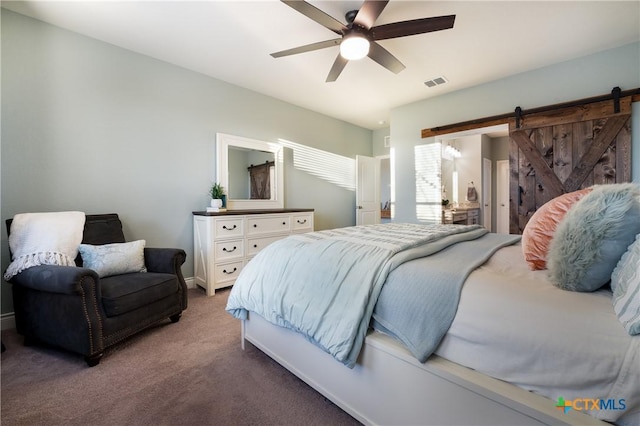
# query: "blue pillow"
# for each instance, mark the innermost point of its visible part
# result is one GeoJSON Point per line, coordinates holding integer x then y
{"type": "Point", "coordinates": [593, 236]}
{"type": "Point", "coordinates": [114, 259]}
{"type": "Point", "coordinates": [625, 283]}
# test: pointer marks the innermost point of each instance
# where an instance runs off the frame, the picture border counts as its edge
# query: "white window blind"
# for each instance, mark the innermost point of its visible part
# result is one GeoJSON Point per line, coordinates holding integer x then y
{"type": "Point", "coordinates": [428, 162]}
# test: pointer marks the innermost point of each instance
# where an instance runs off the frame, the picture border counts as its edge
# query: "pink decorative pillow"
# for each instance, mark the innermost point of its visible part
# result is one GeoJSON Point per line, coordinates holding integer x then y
{"type": "Point", "coordinates": [539, 231]}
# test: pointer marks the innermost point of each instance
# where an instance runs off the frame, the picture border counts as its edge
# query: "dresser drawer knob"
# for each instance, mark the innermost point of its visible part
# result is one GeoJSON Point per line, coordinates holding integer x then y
{"type": "Point", "coordinates": [229, 229]}
{"type": "Point", "coordinates": [255, 225]}
{"type": "Point", "coordinates": [229, 273]}
{"type": "Point", "coordinates": [255, 246]}
{"type": "Point", "coordinates": [302, 222]}
{"type": "Point", "coordinates": [229, 251]}
{"type": "Point", "coordinates": [284, 223]}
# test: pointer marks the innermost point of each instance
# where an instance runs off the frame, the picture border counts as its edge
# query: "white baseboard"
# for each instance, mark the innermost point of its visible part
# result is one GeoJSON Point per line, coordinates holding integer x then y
{"type": "Point", "coordinates": [8, 321]}
{"type": "Point", "coordinates": [190, 282]}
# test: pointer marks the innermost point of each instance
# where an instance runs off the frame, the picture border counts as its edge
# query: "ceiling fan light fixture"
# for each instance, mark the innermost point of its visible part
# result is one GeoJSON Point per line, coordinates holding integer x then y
{"type": "Point", "coordinates": [354, 47]}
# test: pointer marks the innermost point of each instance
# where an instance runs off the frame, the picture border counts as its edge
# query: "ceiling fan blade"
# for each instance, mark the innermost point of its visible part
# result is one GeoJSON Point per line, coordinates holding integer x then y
{"type": "Point", "coordinates": [369, 12]}
{"type": "Point", "coordinates": [336, 69]}
{"type": "Point", "coordinates": [317, 15]}
{"type": "Point", "coordinates": [413, 27]}
{"type": "Point", "coordinates": [384, 58]}
{"type": "Point", "coordinates": [307, 48]}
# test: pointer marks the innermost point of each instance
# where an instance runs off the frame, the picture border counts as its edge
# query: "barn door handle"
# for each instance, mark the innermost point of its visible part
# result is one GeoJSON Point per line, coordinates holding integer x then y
{"type": "Point", "coordinates": [520, 192]}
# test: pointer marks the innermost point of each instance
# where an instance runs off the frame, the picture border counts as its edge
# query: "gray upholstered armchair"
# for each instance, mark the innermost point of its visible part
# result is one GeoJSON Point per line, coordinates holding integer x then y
{"type": "Point", "coordinates": [74, 309]}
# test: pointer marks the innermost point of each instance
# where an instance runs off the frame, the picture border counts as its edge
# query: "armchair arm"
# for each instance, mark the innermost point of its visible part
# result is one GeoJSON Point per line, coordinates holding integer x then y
{"type": "Point", "coordinates": [55, 278]}
{"type": "Point", "coordinates": [166, 260]}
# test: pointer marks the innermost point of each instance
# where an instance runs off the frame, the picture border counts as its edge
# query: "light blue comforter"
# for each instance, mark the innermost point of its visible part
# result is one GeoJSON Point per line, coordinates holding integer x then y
{"type": "Point", "coordinates": [419, 300]}
{"type": "Point", "coordinates": [325, 284]}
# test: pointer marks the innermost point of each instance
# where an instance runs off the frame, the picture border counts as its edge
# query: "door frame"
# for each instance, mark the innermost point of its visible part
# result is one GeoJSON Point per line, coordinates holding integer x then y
{"type": "Point", "coordinates": [487, 195]}
{"type": "Point", "coordinates": [502, 196]}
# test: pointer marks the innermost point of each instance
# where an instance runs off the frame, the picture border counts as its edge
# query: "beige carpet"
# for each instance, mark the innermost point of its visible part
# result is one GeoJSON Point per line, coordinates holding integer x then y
{"type": "Point", "coordinates": [190, 373]}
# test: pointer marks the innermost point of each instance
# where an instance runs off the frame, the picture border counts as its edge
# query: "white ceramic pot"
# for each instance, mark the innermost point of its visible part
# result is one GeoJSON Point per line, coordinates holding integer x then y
{"type": "Point", "coordinates": [216, 203]}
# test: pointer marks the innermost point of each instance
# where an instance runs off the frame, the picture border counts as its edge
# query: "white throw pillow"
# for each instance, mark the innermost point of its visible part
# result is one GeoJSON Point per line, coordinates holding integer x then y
{"type": "Point", "coordinates": [50, 238]}
{"type": "Point", "coordinates": [114, 259]}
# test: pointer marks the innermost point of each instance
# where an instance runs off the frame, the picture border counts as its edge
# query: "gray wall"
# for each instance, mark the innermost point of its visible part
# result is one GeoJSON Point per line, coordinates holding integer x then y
{"type": "Point", "coordinates": [89, 126]}
{"type": "Point", "coordinates": [378, 142]}
{"type": "Point", "coordinates": [575, 79]}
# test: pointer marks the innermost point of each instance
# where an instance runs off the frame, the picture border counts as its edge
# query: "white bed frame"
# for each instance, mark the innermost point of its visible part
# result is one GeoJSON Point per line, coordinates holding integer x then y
{"type": "Point", "coordinates": [388, 386]}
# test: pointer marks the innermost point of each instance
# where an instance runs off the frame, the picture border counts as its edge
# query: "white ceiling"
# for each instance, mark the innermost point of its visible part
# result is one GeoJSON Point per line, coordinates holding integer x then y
{"type": "Point", "coordinates": [232, 40]}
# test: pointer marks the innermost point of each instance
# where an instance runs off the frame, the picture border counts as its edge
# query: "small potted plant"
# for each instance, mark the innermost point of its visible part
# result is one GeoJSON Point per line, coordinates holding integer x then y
{"type": "Point", "coordinates": [216, 191]}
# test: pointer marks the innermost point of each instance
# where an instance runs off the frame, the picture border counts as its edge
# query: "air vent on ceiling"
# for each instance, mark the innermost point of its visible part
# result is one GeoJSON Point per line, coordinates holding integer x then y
{"type": "Point", "coordinates": [436, 81]}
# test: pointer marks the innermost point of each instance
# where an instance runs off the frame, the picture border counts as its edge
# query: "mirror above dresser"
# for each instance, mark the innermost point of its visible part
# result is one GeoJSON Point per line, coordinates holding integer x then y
{"type": "Point", "coordinates": [250, 171]}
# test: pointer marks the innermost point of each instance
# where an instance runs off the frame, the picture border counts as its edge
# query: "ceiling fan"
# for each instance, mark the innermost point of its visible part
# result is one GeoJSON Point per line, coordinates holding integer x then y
{"type": "Point", "coordinates": [358, 38]}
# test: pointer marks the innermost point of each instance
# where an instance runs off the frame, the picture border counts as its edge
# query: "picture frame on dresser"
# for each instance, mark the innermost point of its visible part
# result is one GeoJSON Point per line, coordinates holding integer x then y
{"type": "Point", "coordinates": [224, 242]}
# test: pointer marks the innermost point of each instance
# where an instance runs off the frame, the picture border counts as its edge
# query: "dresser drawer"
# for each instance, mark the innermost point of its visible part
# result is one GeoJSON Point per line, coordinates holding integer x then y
{"type": "Point", "coordinates": [254, 245]}
{"type": "Point", "coordinates": [228, 228]}
{"type": "Point", "coordinates": [229, 249]}
{"type": "Point", "coordinates": [455, 217]}
{"type": "Point", "coordinates": [224, 242]}
{"type": "Point", "coordinates": [227, 271]}
{"type": "Point", "coordinates": [303, 222]}
{"type": "Point", "coordinates": [268, 225]}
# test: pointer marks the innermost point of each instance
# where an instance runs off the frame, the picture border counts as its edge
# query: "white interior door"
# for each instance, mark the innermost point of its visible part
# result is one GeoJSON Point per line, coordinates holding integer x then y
{"type": "Point", "coordinates": [367, 190]}
{"type": "Point", "coordinates": [486, 193]}
{"type": "Point", "coordinates": [502, 208]}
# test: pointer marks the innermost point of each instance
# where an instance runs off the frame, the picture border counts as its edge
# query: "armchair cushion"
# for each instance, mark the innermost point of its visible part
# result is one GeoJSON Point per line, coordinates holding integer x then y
{"type": "Point", "coordinates": [127, 292]}
{"type": "Point", "coordinates": [114, 259]}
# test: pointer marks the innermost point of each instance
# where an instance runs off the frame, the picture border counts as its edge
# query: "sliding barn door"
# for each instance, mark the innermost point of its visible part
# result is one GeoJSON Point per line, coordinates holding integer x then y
{"type": "Point", "coordinates": [560, 151]}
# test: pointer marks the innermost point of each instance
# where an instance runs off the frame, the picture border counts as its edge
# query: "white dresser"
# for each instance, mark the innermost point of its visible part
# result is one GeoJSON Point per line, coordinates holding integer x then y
{"type": "Point", "coordinates": [224, 242]}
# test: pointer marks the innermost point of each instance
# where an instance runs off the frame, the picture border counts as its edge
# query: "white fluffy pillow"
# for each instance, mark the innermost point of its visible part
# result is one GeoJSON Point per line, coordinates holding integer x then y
{"type": "Point", "coordinates": [114, 259]}
{"type": "Point", "coordinates": [593, 236]}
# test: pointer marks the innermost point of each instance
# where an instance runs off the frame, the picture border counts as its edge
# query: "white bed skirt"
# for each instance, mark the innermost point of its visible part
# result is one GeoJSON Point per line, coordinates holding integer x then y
{"type": "Point", "coordinates": [388, 386]}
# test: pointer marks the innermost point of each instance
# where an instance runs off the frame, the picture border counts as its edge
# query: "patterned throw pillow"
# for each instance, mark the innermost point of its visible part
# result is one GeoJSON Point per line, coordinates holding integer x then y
{"type": "Point", "coordinates": [114, 259]}
{"type": "Point", "coordinates": [625, 283]}
{"type": "Point", "coordinates": [537, 235]}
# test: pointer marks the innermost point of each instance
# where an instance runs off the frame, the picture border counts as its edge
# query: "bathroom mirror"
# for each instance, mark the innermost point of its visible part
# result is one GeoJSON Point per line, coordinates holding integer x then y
{"type": "Point", "coordinates": [250, 171]}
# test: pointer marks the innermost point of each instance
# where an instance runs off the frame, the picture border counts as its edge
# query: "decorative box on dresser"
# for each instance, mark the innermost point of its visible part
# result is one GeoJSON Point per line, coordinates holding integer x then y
{"type": "Point", "coordinates": [223, 242]}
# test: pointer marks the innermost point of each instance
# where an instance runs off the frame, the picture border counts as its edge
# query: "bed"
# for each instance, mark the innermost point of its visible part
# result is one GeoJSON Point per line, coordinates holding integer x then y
{"type": "Point", "coordinates": [517, 350]}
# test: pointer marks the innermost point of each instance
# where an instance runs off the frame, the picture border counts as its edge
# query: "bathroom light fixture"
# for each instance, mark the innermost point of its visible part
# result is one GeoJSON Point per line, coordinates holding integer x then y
{"type": "Point", "coordinates": [354, 46]}
{"type": "Point", "coordinates": [452, 151]}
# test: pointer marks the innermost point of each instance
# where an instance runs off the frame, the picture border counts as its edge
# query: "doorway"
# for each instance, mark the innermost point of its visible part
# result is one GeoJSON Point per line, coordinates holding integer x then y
{"type": "Point", "coordinates": [385, 188]}
{"type": "Point", "coordinates": [478, 152]}
{"type": "Point", "coordinates": [373, 189]}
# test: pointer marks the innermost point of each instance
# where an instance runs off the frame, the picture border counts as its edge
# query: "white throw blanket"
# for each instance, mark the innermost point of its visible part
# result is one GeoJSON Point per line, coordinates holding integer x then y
{"type": "Point", "coordinates": [44, 239]}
